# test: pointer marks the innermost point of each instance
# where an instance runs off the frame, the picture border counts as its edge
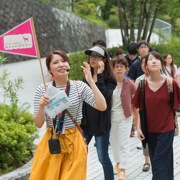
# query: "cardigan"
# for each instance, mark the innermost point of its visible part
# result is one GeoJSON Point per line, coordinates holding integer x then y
{"type": "Point", "coordinates": [128, 89]}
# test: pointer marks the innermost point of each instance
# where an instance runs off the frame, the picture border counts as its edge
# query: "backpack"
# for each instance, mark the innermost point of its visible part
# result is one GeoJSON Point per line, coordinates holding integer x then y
{"type": "Point", "coordinates": [170, 90]}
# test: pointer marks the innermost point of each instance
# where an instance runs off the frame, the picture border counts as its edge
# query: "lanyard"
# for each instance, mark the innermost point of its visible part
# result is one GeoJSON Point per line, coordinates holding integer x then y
{"type": "Point", "coordinates": [60, 117]}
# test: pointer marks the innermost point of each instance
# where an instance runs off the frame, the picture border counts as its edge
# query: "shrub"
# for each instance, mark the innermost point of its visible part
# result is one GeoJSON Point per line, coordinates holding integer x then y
{"type": "Point", "coordinates": [77, 60]}
{"type": "Point", "coordinates": [16, 138]}
{"type": "Point", "coordinates": [17, 132]}
{"type": "Point", "coordinates": [171, 47]}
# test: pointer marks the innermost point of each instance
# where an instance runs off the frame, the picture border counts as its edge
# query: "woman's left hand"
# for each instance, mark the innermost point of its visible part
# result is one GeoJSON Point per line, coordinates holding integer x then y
{"type": "Point", "coordinates": [87, 72]}
{"type": "Point", "coordinates": [140, 135]}
{"type": "Point", "coordinates": [101, 67]}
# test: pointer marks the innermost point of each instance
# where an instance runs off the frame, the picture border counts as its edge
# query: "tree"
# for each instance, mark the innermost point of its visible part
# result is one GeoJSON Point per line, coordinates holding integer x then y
{"type": "Point", "coordinates": [170, 13]}
{"type": "Point", "coordinates": [137, 15]}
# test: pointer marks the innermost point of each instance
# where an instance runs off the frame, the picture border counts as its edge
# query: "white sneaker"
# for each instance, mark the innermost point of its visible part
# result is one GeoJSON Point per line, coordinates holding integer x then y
{"type": "Point", "coordinates": [139, 146]}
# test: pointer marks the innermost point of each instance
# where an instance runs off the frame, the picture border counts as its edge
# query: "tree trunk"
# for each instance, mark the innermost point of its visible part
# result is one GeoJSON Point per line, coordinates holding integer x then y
{"type": "Point", "coordinates": [123, 22]}
{"type": "Point", "coordinates": [146, 28]}
{"type": "Point", "coordinates": [131, 9]}
{"type": "Point", "coordinates": [127, 12]}
{"type": "Point", "coordinates": [154, 19]}
{"type": "Point", "coordinates": [141, 18]}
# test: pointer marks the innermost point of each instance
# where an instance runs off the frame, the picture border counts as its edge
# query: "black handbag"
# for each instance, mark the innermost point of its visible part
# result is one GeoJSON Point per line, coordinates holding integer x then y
{"type": "Point", "coordinates": [54, 146]}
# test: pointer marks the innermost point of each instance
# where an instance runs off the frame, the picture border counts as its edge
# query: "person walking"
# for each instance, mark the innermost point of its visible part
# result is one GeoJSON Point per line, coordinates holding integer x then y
{"type": "Point", "coordinates": [97, 123]}
{"type": "Point", "coordinates": [170, 68]}
{"type": "Point", "coordinates": [135, 69]}
{"type": "Point", "coordinates": [160, 120]}
{"type": "Point", "coordinates": [121, 116]}
{"type": "Point", "coordinates": [146, 165]}
{"type": "Point", "coordinates": [69, 159]}
{"type": "Point", "coordinates": [132, 57]}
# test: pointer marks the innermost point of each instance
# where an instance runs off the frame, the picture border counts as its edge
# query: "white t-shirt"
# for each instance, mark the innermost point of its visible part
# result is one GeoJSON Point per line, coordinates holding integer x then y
{"type": "Point", "coordinates": [117, 113]}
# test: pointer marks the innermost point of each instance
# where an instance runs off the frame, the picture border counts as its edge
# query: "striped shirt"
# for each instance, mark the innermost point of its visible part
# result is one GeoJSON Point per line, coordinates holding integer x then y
{"type": "Point", "coordinates": [79, 92]}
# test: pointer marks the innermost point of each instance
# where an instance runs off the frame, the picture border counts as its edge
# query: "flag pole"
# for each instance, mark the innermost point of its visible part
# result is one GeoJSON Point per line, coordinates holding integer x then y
{"type": "Point", "coordinates": [38, 53]}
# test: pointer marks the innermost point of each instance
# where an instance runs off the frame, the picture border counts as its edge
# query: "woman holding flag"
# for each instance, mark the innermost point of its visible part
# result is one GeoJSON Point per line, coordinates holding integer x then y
{"type": "Point", "coordinates": [62, 152]}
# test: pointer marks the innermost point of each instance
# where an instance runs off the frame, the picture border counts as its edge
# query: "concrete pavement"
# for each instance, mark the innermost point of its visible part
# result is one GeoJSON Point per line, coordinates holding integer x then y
{"type": "Point", "coordinates": [136, 161]}
{"type": "Point", "coordinates": [30, 71]}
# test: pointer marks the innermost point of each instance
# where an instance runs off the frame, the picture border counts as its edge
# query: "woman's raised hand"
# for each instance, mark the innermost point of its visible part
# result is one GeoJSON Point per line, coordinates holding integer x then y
{"type": "Point", "coordinates": [87, 72]}
{"type": "Point", "coordinates": [101, 67]}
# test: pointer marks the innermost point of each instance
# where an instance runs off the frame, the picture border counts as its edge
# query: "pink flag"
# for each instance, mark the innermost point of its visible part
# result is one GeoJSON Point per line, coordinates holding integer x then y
{"type": "Point", "coordinates": [20, 40]}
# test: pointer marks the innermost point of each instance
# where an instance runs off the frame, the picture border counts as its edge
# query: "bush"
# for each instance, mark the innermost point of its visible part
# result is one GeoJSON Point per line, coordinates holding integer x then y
{"type": "Point", "coordinates": [77, 60]}
{"type": "Point", "coordinates": [17, 132]}
{"type": "Point", "coordinates": [171, 47]}
{"type": "Point", "coordinates": [16, 138]}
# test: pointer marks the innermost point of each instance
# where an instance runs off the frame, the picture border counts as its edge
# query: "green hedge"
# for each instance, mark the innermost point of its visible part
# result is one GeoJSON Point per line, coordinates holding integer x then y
{"type": "Point", "coordinates": [16, 138]}
{"type": "Point", "coordinates": [173, 47]}
{"type": "Point", "coordinates": [77, 59]}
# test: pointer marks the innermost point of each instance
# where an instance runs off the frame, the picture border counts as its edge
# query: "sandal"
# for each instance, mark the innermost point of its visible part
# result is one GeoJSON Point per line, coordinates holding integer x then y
{"type": "Point", "coordinates": [122, 176]}
{"type": "Point", "coordinates": [146, 167]}
{"type": "Point", "coordinates": [116, 169]}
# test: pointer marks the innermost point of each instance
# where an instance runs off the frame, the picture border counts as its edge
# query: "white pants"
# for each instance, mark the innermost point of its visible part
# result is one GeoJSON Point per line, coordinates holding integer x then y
{"type": "Point", "coordinates": [120, 140]}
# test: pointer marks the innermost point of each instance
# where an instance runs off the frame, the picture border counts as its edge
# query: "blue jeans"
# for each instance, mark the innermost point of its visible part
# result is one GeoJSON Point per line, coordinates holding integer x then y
{"type": "Point", "coordinates": [102, 145]}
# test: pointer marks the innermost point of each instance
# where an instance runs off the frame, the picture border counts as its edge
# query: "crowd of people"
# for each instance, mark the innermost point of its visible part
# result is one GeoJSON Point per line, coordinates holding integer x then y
{"type": "Point", "coordinates": [108, 105]}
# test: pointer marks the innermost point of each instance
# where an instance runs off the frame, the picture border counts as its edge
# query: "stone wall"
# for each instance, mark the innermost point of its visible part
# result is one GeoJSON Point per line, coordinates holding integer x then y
{"type": "Point", "coordinates": [55, 29]}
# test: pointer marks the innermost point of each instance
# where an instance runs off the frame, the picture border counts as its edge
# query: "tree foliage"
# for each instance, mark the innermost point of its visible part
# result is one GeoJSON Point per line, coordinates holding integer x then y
{"type": "Point", "coordinates": [170, 12]}
{"type": "Point", "coordinates": [135, 18]}
{"type": "Point", "coordinates": [137, 15]}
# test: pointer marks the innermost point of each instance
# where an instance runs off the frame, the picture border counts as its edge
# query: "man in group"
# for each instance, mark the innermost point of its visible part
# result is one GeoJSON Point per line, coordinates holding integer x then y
{"type": "Point", "coordinates": [131, 57]}
{"type": "Point", "coordinates": [135, 69]}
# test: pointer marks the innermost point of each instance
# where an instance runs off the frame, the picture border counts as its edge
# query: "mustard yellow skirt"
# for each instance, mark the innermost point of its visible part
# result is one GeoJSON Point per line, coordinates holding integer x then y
{"type": "Point", "coordinates": [70, 164]}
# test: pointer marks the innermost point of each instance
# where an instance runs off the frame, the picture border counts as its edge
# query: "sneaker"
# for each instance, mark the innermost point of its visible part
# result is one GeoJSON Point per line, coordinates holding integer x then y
{"type": "Point", "coordinates": [146, 167]}
{"type": "Point", "coordinates": [117, 169]}
{"type": "Point", "coordinates": [139, 146]}
{"type": "Point", "coordinates": [122, 176]}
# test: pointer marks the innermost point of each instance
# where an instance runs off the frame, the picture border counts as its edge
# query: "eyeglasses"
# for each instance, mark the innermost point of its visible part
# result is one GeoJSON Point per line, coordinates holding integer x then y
{"type": "Point", "coordinates": [143, 47]}
{"type": "Point", "coordinates": [119, 66]}
{"type": "Point", "coordinates": [95, 56]}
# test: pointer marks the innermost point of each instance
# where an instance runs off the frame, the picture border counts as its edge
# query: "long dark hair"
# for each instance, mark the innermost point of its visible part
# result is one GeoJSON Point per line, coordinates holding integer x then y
{"type": "Point", "coordinates": [171, 65]}
{"type": "Point", "coordinates": [108, 71]}
{"type": "Point", "coordinates": [156, 55]}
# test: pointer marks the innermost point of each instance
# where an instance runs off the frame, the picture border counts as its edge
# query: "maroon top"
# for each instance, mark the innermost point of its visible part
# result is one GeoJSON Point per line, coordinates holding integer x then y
{"type": "Point", "coordinates": [159, 113]}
